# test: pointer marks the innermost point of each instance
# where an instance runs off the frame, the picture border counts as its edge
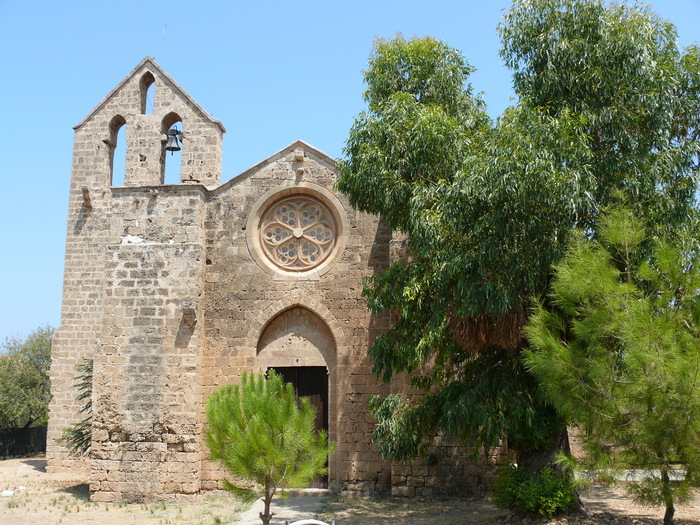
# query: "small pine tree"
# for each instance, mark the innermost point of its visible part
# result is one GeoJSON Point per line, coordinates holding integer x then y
{"type": "Point", "coordinates": [78, 436]}
{"type": "Point", "coordinates": [616, 348]}
{"type": "Point", "coordinates": [262, 434]}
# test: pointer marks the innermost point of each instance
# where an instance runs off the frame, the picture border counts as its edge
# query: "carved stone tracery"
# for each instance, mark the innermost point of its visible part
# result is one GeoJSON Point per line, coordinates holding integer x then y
{"type": "Point", "coordinates": [297, 233]}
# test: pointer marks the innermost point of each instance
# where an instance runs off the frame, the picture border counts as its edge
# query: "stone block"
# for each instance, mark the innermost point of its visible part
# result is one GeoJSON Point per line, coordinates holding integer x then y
{"type": "Point", "coordinates": [403, 491]}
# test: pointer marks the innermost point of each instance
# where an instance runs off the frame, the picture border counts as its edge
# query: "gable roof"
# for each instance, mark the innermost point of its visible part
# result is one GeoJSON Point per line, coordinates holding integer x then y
{"type": "Point", "coordinates": [297, 144]}
{"type": "Point", "coordinates": [150, 64]}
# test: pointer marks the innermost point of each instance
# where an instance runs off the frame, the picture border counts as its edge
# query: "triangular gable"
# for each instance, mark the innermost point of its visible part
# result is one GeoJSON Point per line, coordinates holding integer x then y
{"type": "Point", "coordinates": [298, 144]}
{"type": "Point", "coordinates": [149, 63]}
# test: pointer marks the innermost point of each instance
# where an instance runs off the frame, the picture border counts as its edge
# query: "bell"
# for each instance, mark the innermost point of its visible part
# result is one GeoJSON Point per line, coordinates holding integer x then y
{"type": "Point", "coordinates": [172, 144]}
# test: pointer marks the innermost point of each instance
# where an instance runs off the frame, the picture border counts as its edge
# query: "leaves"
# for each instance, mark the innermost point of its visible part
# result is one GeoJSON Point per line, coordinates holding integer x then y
{"type": "Point", "coordinates": [615, 349]}
{"type": "Point", "coordinates": [24, 379]}
{"type": "Point", "coordinates": [78, 436]}
{"type": "Point", "coordinates": [618, 68]}
{"type": "Point", "coordinates": [427, 70]}
{"type": "Point", "coordinates": [607, 112]}
{"type": "Point", "coordinates": [259, 432]}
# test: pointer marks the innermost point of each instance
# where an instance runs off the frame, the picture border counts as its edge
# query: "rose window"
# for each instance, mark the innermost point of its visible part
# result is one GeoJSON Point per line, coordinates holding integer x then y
{"type": "Point", "coordinates": [297, 233]}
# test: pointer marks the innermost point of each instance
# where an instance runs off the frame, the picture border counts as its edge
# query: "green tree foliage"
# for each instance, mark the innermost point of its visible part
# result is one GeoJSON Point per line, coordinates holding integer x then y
{"type": "Point", "coordinates": [617, 351]}
{"type": "Point", "coordinates": [78, 436]}
{"type": "Point", "coordinates": [262, 434]}
{"type": "Point", "coordinates": [24, 379]}
{"type": "Point", "coordinates": [619, 70]}
{"type": "Point", "coordinates": [547, 493]}
{"type": "Point", "coordinates": [606, 103]}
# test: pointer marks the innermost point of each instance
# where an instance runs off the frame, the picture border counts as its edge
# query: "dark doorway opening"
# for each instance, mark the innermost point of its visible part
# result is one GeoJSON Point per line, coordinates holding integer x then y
{"type": "Point", "coordinates": [310, 382]}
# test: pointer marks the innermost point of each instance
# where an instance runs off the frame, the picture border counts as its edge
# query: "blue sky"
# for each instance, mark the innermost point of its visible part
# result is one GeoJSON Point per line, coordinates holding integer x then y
{"type": "Point", "coordinates": [271, 71]}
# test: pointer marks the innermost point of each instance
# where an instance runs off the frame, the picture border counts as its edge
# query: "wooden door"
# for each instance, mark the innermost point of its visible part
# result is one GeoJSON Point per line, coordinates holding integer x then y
{"type": "Point", "coordinates": [310, 382]}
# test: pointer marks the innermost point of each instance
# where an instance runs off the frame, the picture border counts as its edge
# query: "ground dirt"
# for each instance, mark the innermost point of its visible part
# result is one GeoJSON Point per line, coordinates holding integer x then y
{"type": "Point", "coordinates": [52, 498]}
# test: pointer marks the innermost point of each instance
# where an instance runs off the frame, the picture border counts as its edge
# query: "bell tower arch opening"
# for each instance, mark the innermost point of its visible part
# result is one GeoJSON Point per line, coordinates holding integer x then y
{"type": "Point", "coordinates": [299, 346]}
{"type": "Point", "coordinates": [147, 91]}
{"type": "Point", "coordinates": [171, 160]}
{"type": "Point", "coordinates": [117, 150]}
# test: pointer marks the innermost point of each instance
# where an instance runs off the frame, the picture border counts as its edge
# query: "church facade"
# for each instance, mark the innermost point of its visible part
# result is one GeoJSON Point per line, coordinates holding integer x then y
{"type": "Point", "coordinates": [176, 289]}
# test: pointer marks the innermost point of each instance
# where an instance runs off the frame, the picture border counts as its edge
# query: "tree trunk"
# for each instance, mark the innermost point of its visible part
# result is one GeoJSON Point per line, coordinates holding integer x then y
{"type": "Point", "coordinates": [670, 511]}
{"type": "Point", "coordinates": [535, 460]}
{"type": "Point", "coordinates": [266, 515]}
{"type": "Point", "coordinates": [668, 497]}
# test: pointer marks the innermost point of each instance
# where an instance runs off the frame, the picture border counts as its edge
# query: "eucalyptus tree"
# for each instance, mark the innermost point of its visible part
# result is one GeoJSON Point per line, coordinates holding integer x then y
{"type": "Point", "coordinates": [606, 103]}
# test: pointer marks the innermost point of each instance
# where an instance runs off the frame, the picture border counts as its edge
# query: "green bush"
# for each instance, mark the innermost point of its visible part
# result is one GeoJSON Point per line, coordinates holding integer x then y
{"type": "Point", "coordinates": [547, 493]}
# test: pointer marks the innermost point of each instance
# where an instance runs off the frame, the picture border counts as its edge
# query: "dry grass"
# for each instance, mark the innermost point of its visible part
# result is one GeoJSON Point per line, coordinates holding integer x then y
{"type": "Point", "coordinates": [53, 498]}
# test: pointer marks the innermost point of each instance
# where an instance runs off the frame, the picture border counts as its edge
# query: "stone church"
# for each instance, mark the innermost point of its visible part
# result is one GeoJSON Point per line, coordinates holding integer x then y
{"type": "Point", "coordinates": [174, 290]}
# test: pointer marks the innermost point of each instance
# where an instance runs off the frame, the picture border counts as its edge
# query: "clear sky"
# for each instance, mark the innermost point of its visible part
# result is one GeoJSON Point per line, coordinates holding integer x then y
{"type": "Point", "coordinates": [271, 71]}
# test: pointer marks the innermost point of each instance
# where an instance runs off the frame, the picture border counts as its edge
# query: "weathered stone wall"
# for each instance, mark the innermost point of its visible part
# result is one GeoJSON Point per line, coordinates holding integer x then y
{"type": "Point", "coordinates": [448, 470]}
{"type": "Point", "coordinates": [90, 239]}
{"type": "Point", "coordinates": [296, 337]}
{"type": "Point", "coordinates": [244, 296]}
{"type": "Point", "coordinates": [83, 285]}
{"type": "Point", "coordinates": [146, 413]}
{"type": "Point", "coordinates": [145, 158]}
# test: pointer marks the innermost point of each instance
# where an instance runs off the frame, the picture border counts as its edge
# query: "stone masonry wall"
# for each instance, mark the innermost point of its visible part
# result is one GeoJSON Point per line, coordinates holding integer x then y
{"type": "Point", "coordinates": [242, 298]}
{"type": "Point", "coordinates": [146, 413]}
{"type": "Point", "coordinates": [448, 470]}
{"type": "Point", "coordinates": [296, 337]}
{"type": "Point", "coordinates": [89, 328]}
{"type": "Point", "coordinates": [145, 156]}
{"type": "Point", "coordinates": [83, 286]}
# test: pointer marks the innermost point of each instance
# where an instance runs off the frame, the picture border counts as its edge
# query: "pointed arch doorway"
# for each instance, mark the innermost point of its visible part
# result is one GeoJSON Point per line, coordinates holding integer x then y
{"type": "Point", "coordinates": [298, 345]}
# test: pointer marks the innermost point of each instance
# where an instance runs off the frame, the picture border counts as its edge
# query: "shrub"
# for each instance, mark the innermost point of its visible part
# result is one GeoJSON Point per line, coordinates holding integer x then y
{"type": "Point", "coordinates": [547, 492]}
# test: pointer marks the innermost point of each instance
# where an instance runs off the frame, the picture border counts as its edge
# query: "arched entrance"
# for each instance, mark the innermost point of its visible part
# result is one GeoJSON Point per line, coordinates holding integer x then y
{"type": "Point", "coordinates": [298, 345]}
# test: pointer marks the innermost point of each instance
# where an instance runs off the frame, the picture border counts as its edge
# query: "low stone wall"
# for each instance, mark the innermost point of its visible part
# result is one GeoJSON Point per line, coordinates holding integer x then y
{"type": "Point", "coordinates": [448, 470]}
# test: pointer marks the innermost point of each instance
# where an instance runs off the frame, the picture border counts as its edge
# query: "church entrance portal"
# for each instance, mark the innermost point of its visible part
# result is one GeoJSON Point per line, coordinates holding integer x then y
{"type": "Point", "coordinates": [310, 382]}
